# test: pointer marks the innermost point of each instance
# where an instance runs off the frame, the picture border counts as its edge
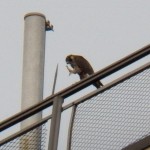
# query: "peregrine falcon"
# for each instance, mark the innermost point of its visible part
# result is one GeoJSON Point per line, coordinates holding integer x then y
{"type": "Point", "coordinates": [81, 67]}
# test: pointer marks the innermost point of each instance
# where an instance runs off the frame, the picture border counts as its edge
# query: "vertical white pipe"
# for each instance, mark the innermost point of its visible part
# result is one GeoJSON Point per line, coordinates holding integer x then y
{"type": "Point", "coordinates": [33, 68]}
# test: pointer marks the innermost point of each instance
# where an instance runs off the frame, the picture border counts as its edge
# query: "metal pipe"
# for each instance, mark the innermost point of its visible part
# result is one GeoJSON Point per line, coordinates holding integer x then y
{"type": "Point", "coordinates": [55, 123]}
{"type": "Point", "coordinates": [77, 87]}
{"type": "Point", "coordinates": [33, 63]}
{"type": "Point", "coordinates": [33, 71]}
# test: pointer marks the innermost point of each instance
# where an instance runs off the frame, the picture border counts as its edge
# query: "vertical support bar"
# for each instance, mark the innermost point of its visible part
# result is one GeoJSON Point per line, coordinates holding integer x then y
{"type": "Point", "coordinates": [71, 127]}
{"type": "Point", "coordinates": [33, 73]}
{"type": "Point", "coordinates": [55, 123]}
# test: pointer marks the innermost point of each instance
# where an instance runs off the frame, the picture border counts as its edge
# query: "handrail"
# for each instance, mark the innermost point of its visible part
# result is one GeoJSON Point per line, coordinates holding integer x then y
{"type": "Point", "coordinates": [76, 87]}
{"type": "Point", "coordinates": [139, 145]}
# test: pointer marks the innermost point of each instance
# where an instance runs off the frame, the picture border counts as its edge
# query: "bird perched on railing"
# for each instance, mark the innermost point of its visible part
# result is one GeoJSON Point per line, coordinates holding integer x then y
{"type": "Point", "coordinates": [81, 67]}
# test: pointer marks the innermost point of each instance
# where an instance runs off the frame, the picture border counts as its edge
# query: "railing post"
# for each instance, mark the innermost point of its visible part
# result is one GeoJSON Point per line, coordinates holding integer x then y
{"type": "Point", "coordinates": [55, 123]}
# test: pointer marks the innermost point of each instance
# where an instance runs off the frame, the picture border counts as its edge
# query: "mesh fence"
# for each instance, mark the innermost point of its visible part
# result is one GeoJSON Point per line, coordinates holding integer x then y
{"type": "Point", "coordinates": [115, 118]}
{"type": "Point", "coordinates": [32, 140]}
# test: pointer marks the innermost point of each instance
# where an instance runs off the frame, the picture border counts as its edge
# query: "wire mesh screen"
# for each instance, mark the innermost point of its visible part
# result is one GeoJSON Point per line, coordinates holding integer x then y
{"type": "Point", "coordinates": [115, 118]}
{"type": "Point", "coordinates": [32, 140]}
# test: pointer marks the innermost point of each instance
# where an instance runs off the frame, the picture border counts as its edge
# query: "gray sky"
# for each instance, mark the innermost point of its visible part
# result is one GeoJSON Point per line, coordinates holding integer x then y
{"type": "Point", "coordinates": [103, 31]}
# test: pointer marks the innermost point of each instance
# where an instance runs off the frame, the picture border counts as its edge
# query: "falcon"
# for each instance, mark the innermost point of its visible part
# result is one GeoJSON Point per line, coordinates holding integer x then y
{"type": "Point", "coordinates": [81, 67]}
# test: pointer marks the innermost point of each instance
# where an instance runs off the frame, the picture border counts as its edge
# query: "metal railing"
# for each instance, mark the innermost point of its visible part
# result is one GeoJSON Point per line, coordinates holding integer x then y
{"type": "Point", "coordinates": [58, 98]}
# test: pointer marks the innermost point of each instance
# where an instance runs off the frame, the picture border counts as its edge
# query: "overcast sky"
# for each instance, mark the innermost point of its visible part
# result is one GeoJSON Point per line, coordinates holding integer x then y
{"type": "Point", "coordinates": [103, 31]}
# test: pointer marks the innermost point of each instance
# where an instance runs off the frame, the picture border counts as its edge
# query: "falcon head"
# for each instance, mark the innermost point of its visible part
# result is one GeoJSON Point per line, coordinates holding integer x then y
{"type": "Point", "coordinates": [69, 59]}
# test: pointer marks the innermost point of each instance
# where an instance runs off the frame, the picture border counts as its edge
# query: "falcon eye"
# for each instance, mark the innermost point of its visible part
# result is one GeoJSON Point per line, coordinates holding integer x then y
{"type": "Point", "coordinates": [68, 59]}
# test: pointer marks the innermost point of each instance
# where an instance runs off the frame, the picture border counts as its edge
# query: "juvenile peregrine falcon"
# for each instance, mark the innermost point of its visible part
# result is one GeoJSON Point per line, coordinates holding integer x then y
{"type": "Point", "coordinates": [82, 67]}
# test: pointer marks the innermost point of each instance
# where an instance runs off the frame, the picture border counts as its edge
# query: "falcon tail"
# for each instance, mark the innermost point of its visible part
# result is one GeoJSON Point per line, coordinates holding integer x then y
{"type": "Point", "coordinates": [98, 84]}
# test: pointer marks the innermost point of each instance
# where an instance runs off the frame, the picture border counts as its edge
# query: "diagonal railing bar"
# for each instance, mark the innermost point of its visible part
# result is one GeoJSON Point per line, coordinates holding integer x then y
{"type": "Point", "coordinates": [139, 145]}
{"type": "Point", "coordinates": [76, 87]}
{"type": "Point", "coordinates": [24, 114]}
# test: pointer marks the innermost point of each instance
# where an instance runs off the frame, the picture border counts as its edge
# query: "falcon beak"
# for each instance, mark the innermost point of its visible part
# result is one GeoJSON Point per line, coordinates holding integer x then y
{"type": "Point", "coordinates": [67, 62]}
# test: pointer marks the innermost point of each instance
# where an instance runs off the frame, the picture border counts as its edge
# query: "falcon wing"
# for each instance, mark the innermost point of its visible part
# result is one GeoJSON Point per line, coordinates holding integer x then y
{"type": "Point", "coordinates": [84, 65]}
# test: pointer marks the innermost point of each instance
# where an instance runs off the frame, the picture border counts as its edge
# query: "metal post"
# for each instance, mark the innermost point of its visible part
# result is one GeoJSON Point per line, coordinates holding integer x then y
{"type": "Point", "coordinates": [55, 123]}
{"type": "Point", "coordinates": [33, 73]}
{"type": "Point", "coordinates": [55, 79]}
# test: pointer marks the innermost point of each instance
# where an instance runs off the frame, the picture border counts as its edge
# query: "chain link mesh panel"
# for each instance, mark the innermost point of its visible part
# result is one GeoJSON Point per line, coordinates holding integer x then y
{"type": "Point", "coordinates": [32, 140]}
{"type": "Point", "coordinates": [115, 118]}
